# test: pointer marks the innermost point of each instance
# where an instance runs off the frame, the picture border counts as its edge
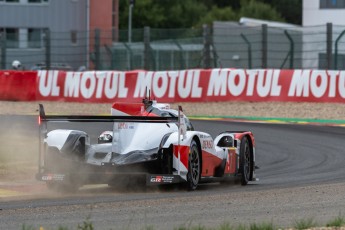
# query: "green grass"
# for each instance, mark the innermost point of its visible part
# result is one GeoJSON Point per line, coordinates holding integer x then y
{"type": "Point", "coordinates": [300, 224]}
{"type": "Point", "coordinates": [305, 223]}
{"type": "Point", "coordinates": [25, 227]}
{"type": "Point", "coordinates": [262, 226]}
{"type": "Point", "coordinates": [339, 221]}
{"type": "Point", "coordinates": [86, 225]}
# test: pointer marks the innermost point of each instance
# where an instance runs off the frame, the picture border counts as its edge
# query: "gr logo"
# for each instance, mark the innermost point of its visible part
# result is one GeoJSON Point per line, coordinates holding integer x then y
{"type": "Point", "coordinates": [156, 179]}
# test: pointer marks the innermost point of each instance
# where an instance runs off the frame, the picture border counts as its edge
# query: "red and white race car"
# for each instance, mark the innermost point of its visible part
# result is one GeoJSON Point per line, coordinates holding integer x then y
{"type": "Point", "coordinates": [148, 140]}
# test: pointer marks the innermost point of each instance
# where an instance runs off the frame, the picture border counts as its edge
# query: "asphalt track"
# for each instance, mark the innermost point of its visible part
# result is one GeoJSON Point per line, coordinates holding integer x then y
{"type": "Point", "coordinates": [301, 176]}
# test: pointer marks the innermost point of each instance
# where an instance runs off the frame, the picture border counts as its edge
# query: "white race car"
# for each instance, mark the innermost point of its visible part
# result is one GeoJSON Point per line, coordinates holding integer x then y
{"type": "Point", "coordinates": [148, 140]}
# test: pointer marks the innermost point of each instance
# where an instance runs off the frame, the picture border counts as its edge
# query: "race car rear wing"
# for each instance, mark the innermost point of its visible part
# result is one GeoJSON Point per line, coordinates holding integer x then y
{"type": "Point", "coordinates": [99, 118]}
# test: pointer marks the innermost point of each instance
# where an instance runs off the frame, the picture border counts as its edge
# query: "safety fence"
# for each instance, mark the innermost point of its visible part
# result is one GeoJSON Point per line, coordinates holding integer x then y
{"type": "Point", "coordinates": [224, 45]}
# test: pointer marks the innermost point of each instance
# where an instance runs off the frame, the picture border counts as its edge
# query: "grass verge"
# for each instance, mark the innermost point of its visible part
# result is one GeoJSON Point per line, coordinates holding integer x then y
{"type": "Point", "coordinates": [309, 223]}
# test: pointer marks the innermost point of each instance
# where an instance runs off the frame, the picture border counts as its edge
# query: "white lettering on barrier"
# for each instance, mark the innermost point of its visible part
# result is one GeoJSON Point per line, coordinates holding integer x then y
{"type": "Point", "coordinates": [97, 84]}
{"type": "Point", "coordinates": [217, 83]}
{"type": "Point", "coordinates": [144, 81]}
{"type": "Point", "coordinates": [251, 81]}
{"type": "Point", "coordinates": [268, 85]}
{"type": "Point", "coordinates": [112, 80]}
{"type": "Point", "coordinates": [184, 83]}
{"type": "Point", "coordinates": [173, 75]}
{"type": "Point", "coordinates": [101, 76]}
{"type": "Point", "coordinates": [275, 87]}
{"type": "Point", "coordinates": [317, 82]}
{"type": "Point", "coordinates": [160, 84]}
{"type": "Point", "coordinates": [196, 90]}
{"type": "Point", "coordinates": [87, 84]}
{"type": "Point", "coordinates": [48, 83]}
{"type": "Point", "coordinates": [263, 82]}
{"type": "Point", "coordinates": [236, 89]}
{"type": "Point", "coordinates": [299, 83]}
{"type": "Point", "coordinates": [123, 90]}
{"type": "Point", "coordinates": [318, 89]}
{"type": "Point", "coordinates": [188, 84]}
{"type": "Point", "coordinates": [341, 84]}
{"type": "Point", "coordinates": [72, 83]}
{"type": "Point", "coordinates": [164, 82]}
{"type": "Point", "coordinates": [333, 82]}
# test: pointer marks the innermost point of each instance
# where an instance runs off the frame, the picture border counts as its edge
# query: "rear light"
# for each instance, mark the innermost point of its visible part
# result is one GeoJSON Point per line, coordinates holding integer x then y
{"type": "Point", "coordinates": [39, 120]}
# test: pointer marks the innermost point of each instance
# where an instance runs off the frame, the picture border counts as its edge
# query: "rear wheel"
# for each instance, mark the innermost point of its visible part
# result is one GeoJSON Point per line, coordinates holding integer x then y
{"type": "Point", "coordinates": [245, 161]}
{"type": "Point", "coordinates": [194, 167]}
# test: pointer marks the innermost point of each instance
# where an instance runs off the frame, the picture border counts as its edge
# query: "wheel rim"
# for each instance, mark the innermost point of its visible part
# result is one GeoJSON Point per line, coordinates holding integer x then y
{"type": "Point", "coordinates": [195, 165]}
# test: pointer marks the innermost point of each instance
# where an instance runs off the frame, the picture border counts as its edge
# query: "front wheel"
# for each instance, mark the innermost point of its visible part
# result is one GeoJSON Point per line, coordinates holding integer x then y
{"type": "Point", "coordinates": [194, 167]}
{"type": "Point", "coordinates": [245, 161]}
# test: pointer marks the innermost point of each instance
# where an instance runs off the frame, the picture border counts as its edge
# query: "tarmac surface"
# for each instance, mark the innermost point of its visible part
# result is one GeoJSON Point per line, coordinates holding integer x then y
{"type": "Point", "coordinates": [301, 177]}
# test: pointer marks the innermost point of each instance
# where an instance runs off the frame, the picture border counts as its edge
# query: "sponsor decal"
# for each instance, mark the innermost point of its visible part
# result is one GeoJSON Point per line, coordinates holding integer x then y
{"type": "Point", "coordinates": [207, 144]}
{"type": "Point", "coordinates": [83, 85]}
{"type": "Point", "coordinates": [162, 179]}
{"type": "Point", "coordinates": [53, 177]}
{"type": "Point", "coordinates": [206, 141]}
{"type": "Point", "coordinates": [205, 136]}
{"type": "Point", "coordinates": [317, 84]}
{"type": "Point", "coordinates": [124, 125]}
{"type": "Point", "coordinates": [156, 179]}
{"type": "Point", "coordinates": [171, 84]}
{"type": "Point", "coordinates": [244, 82]}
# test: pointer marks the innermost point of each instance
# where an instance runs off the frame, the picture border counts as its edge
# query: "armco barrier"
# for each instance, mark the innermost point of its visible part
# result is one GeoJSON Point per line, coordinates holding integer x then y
{"type": "Point", "coordinates": [194, 85]}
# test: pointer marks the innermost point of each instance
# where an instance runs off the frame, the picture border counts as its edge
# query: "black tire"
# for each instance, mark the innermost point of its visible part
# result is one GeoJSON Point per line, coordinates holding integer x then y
{"type": "Point", "coordinates": [194, 167]}
{"type": "Point", "coordinates": [245, 161]}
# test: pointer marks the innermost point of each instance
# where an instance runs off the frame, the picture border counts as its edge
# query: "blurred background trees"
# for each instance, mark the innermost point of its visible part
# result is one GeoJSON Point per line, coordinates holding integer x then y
{"type": "Point", "coordinates": [194, 13]}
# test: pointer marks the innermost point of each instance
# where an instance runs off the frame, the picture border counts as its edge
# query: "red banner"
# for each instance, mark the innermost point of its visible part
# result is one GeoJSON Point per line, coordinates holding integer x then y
{"type": "Point", "coordinates": [176, 86]}
{"type": "Point", "coordinates": [18, 85]}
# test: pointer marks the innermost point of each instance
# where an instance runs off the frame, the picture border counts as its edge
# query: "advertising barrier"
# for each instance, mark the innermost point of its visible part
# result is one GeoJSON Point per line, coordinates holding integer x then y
{"type": "Point", "coordinates": [18, 85]}
{"type": "Point", "coordinates": [195, 85]}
